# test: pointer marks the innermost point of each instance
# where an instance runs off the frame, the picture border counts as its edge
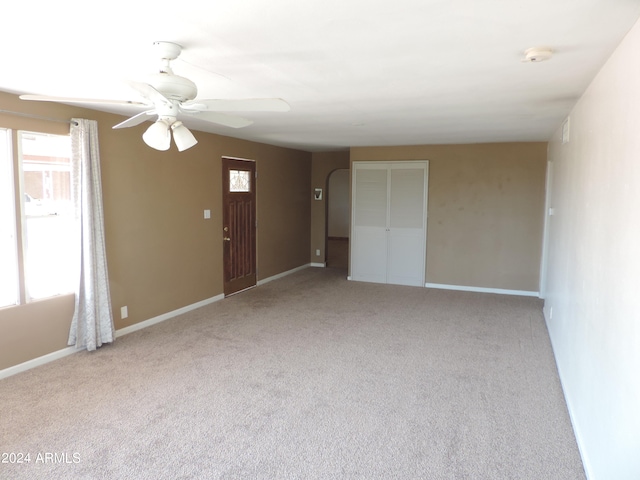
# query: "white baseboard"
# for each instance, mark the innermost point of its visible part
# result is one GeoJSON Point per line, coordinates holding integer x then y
{"type": "Point", "coordinates": [166, 316]}
{"type": "Point", "coordinates": [317, 264]}
{"type": "Point", "coordinates": [500, 291]}
{"type": "Point", "coordinates": [283, 274]}
{"type": "Point", "coordinates": [586, 463]}
{"type": "Point", "coordinates": [36, 362]}
{"type": "Point", "coordinates": [50, 357]}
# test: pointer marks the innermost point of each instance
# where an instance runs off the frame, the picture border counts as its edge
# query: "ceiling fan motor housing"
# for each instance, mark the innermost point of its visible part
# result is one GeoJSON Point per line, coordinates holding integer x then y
{"type": "Point", "coordinates": [173, 87]}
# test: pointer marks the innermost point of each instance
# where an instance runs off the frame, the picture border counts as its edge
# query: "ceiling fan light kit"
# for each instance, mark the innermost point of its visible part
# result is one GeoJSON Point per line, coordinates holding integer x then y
{"type": "Point", "coordinates": [158, 135]}
{"type": "Point", "coordinates": [182, 136]}
{"type": "Point", "coordinates": [170, 97]}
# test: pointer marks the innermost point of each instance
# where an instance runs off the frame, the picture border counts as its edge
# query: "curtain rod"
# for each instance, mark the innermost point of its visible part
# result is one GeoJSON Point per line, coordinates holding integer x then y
{"type": "Point", "coordinates": [38, 117]}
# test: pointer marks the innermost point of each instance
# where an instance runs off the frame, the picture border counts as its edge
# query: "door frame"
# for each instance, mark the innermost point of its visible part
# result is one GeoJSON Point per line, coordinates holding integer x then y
{"type": "Point", "coordinates": [231, 287]}
{"type": "Point", "coordinates": [384, 235]}
{"type": "Point", "coordinates": [548, 212]}
{"type": "Point", "coordinates": [328, 199]}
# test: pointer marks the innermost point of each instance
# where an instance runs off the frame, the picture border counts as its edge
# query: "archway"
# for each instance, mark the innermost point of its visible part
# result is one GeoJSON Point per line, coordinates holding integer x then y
{"type": "Point", "coordinates": [338, 219]}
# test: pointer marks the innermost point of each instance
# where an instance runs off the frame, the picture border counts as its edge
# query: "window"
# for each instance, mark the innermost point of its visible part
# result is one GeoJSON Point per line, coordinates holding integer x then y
{"type": "Point", "coordinates": [239, 181]}
{"type": "Point", "coordinates": [9, 293]}
{"type": "Point", "coordinates": [37, 240]}
{"type": "Point", "coordinates": [47, 209]}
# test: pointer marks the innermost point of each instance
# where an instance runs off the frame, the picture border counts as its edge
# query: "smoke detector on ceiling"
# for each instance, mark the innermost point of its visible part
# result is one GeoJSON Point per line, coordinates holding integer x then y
{"type": "Point", "coordinates": [537, 54]}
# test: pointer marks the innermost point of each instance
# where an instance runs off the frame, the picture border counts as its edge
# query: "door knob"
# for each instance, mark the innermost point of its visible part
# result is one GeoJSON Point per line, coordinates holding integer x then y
{"type": "Point", "coordinates": [226, 239]}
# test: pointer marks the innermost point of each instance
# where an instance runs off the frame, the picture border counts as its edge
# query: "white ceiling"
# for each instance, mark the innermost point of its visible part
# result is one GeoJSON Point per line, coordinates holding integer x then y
{"type": "Point", "coordinates": [355, 72]}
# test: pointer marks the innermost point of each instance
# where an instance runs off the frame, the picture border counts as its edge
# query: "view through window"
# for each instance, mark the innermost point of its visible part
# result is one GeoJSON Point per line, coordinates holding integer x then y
{"type": "Point", "coordinates": [239, 181]}
{"type": "Point", "coordinates": [48, 225]}
{"type": "Point", "coordinates": [9, 292]}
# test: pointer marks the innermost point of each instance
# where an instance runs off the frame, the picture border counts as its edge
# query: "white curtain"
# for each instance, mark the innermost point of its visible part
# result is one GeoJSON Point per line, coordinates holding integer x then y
{"type": "Point", "coordinates": [92, 323]}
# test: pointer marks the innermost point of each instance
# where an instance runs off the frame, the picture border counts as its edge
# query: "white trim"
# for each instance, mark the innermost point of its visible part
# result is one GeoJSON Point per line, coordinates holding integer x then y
{"type": "Point", "coordinates": [360, 236]}
{"type": "Point", "coordinates": [501, 291]}
{"type": "Point", "coordinates": [50, 357]}
{"type": "Point", "coordinates": [239, 158]}
{"type": "Point", "coordinates": [567, 400]}
{"type": "Point", "coordinates": [545, 231]}
{"type": "Point", "coordinates": [318, 264]}
{"type": "Point", "coordinates": [166, 316]}
{"type": "Point", "coordinates": [36, 362]}
{"type": "Point", "coordinates": [283, 274]}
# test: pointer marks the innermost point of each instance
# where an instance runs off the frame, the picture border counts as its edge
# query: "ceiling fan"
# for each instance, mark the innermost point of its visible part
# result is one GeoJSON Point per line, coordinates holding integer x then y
{"type": "Point", "coordinates": [171, 97]}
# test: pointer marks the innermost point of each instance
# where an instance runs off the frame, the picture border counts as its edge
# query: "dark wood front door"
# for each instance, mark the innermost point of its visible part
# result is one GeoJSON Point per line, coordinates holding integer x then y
{"type": "Point", "coordinates": [239, 224]}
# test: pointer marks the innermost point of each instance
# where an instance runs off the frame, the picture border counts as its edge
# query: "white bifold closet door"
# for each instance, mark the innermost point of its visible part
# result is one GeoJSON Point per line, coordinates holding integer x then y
{"type": "Point", "coordinates": [389, 222]}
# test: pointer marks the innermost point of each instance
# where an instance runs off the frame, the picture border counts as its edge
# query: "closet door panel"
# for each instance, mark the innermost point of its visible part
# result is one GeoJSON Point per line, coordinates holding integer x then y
{"type": "Point", "coordinates": [371, 198]}
{"type": "Point", "coordinates": [388, 236]}
{"type": "Point", "coordinates": [369, 255]}
{"type": "Point", "coordinates": [406, 205]}
{"type": "Point", "coordinates": [407, 219]}
{"type": "Point", "coordinates": [368, 238]}
{"type": "Point", "coordinates": [406, 258]}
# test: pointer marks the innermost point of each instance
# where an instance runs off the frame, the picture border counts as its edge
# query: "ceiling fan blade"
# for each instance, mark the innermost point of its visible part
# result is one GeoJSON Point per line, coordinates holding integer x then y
{"type": "Point", "coordinates": [220, 118]}
{"type": "Point", "coordinates": [47, 98]}
{"type": "Point", "coordinates": [135, 120]}
{"type": "Point", "coordinates": [148, 92]}
{"type": "Point", "coordinates": [242, 105]}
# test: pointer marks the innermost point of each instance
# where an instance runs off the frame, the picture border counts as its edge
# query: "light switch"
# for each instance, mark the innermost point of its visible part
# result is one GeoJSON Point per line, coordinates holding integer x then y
{"type": "Point", "coordinates": [207, 214]}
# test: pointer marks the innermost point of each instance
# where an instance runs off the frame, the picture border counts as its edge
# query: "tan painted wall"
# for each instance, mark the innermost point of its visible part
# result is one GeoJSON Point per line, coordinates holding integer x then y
{"type": "Point", "coordinates": [323, 163]}
{"type": "Point", "coordinates": [485, 219]}
{"type": "Point", "coordinates": [485, 212]}
{"type": "Point", "coordinates": [339, 207]}
{"type": "Point", "coordinates": [162, 254]}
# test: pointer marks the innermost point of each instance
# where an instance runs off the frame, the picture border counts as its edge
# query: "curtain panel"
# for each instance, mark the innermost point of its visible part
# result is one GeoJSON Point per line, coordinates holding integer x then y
{"type": "Point", "coordinates": [92, 323]}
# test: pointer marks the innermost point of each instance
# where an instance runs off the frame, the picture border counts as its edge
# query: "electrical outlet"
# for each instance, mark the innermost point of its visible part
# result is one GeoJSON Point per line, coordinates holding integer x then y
{"type": "Point", "coordinates": [124, 312]}
{"type": "Point", "coordinates": [317, 252]}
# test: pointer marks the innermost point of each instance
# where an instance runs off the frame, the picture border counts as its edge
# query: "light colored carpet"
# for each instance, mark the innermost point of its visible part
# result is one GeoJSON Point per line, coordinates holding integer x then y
{"type": "Point", "coordinates": [307, 377]}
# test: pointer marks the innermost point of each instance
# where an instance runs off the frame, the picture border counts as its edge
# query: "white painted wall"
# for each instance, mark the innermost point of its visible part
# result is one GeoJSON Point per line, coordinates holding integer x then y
{"type": "Point", "coordinates": [592, 300]}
